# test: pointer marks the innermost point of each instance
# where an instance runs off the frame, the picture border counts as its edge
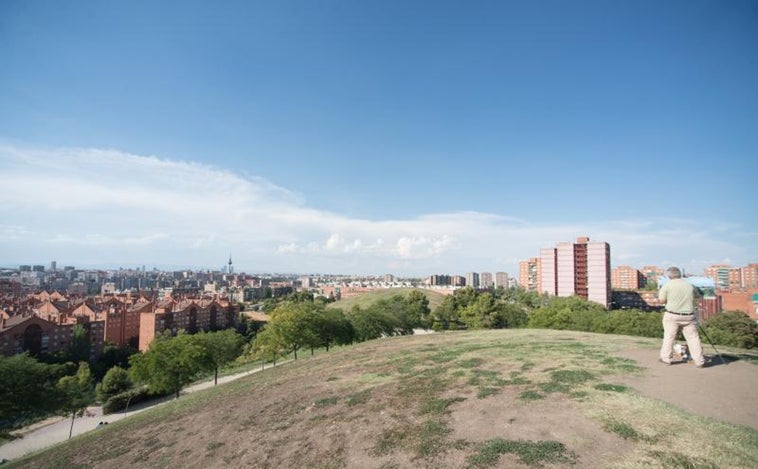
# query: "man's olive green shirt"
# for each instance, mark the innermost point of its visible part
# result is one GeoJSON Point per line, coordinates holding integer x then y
{"type": "Point", "coordinates": [679, 296]}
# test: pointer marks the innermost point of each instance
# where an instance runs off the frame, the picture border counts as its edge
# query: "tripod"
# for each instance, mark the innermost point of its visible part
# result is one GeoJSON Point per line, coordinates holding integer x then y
{"type": "Point", "coordinates": [700, 328]}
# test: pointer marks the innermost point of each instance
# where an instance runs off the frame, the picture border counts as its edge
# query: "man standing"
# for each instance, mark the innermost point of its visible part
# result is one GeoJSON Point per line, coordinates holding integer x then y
{"type": "Point", "coordinates": [679, 296]}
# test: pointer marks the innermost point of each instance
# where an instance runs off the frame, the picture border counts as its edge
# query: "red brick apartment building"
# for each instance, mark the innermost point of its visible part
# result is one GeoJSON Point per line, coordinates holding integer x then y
{"type": "Point", "coordinates": [626, 278]}
{"type": "Point", "coordinates": [746, 301]}
{"type": "Point", "coordinates": [38, 336]}
{"type": "Point", "coordinates": [729, 278]}
{"type": "Point", "coordinates": [189, 314]}
{"type": "Point", "coordinates": [43, 323]}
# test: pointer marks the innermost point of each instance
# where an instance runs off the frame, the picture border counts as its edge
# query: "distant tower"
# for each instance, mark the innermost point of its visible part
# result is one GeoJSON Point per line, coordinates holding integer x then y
{"type": "Point", "coordinates": [231, 269]}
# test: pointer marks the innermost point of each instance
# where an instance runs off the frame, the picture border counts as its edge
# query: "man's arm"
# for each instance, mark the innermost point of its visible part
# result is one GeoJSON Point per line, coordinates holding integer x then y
{"type": "Point", "coordinates": [662, 292]}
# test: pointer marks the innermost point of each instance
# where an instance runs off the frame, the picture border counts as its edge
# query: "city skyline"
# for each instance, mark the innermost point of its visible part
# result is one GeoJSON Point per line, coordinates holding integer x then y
{"type": "Point", "coordinates": [408, 138]}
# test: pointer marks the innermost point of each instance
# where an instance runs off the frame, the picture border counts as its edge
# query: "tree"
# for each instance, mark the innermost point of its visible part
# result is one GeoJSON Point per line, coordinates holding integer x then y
{"type": "Point", "coordinates": [333, 327]}
{"type": "Point", "coordinates": [445, 316]}
{"type": "Point", "coordinates": [295, 325]}
{"type": "Point", "coordinates": [268, 345]}
{"type": "Point", "coordinates": [77, 393]}
{"type": "Point", "coordinates": [512, 315]}
{"type": "Point", "coordinates": [112, 355]}
{"type": "Point", "coordinates": [373, 322]}
{"type": "Point", "coordinates": [417, 307]}
{"type": "Point", "coordinates": [397, 309]}
{"type": "Point", "coordinates": [27, 387]}
{"type": "Point", "coordinates": [220, 348]}
{"type": "Point", "coordinates": [482, 313]}
{"type": "Point", "coordinates": [80, 344]}
{"type": "Point", "coordinates": [115, 381]}
{"type": "Point", "coordinates": [169, 364]}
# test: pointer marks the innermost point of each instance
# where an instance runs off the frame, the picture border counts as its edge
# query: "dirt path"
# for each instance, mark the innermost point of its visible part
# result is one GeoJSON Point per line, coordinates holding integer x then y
{"type": "Point", "coordinates": [724, 392]}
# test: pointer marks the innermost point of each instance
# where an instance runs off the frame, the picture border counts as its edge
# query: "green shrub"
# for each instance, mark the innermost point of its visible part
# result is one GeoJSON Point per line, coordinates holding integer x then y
{"type": "Point", "coordinates": [115, 381]}
{"type": "Point", "coordinates": [732, 328]}
{"type": "Point", "coordinates": [120, 401]}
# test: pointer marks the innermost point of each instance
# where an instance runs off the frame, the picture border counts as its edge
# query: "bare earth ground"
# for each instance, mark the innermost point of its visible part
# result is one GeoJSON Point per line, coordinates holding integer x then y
{"type": "Point", "coordinates": [330, 412]}
{"type": "Point", "coordinates": [726, 392]}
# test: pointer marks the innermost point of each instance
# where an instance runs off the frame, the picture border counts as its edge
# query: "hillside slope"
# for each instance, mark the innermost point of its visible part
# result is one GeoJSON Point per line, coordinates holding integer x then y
{"type": "Point", "coordinates": [468, 399]}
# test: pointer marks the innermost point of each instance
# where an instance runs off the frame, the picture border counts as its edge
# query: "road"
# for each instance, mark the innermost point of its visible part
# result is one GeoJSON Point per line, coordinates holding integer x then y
{"type": "Point", "coordinates": [55, 430]}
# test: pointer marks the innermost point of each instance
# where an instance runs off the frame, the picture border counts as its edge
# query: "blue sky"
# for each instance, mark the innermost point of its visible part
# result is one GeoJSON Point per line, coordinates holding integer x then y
{"type": "Point", "coordinates": [377, 137]}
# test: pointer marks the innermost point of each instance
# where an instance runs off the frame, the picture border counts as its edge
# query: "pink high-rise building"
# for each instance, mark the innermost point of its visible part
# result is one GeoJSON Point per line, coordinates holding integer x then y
{"type": "Point", "coordinates": [582, 268]}
{"type": "Point", "coordinates": [529, 273]}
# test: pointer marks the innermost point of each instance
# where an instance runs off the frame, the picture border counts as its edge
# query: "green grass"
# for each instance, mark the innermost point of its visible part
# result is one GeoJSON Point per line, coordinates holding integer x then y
{"type": "Point", "coordinates": [623, 430]}
{"type": "Point", "coordinates": [531, 453]}
{"type": "Point", "coordinates": [531, 396]}
{"type": "Point", "coordinates": [611, 387]}
{"type": "Point", "coordinates": [326, 402]}
{"type": "Point", "coordinates": [681, 461]}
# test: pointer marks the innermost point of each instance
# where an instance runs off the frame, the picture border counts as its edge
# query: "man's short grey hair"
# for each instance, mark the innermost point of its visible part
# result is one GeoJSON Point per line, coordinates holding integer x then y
{"type": "Point", "coordinates": [673, 272]}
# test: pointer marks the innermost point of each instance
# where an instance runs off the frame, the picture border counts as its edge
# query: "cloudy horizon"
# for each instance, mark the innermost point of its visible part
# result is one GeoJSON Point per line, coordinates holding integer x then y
{"type": "Point", "coordinates": [109, 208]}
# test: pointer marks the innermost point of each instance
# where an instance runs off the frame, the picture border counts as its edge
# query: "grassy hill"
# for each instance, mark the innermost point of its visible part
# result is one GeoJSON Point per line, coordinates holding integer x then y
{"type": "Point", "coordinates": [504, 398]}
{"type": "Point", "coordinates": [369, 298]}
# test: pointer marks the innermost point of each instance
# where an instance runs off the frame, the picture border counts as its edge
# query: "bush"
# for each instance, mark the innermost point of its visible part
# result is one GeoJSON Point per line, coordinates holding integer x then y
{"type": "Point", "coordinates": [131, 397]}
{"type": "Point", "coordinates": [116, 381]}
{"type": "Point", "coordinates": [732, 328]}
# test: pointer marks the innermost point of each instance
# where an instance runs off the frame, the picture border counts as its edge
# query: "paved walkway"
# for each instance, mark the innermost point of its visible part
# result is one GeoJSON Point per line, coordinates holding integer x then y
{"type": "Point", "coordinates": [55, 430]}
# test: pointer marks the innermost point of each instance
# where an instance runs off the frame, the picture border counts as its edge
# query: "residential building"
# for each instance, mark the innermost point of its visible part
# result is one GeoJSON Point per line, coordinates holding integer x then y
{"type": "Point", "coordinates": [189, 315]}
{"type": "Point", "coordinates": [472, 279]}
{"type": "Point", "coordinates": [582, 268]}
{"type": "Point", "coordinates": [745, 301]}
{"type": "Point", "coordinates": [439, 280]}
{"type": "Point", "coordinates": [651, 273]}
{"type": "Point", "coordinates": [725, 277]}
{"type": "Point", "coordinates": [36, 335]}
{"type": "Point", "coordinates": [626, 278]}
{"type": "Point", "coordinates": [529, 274]}
{"type": "Point", "coordinates": [749, 275]}
{"type": "Point", "coordinates": [501, 280]}
{"type": "Point", "coordinates": [548, 270]}
{"type": "Point", "coordinates": [485, 280]}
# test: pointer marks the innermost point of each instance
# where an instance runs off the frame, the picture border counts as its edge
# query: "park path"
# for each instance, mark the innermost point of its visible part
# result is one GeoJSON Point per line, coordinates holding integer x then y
{"type": "Point", "coordinates": [56, 429]}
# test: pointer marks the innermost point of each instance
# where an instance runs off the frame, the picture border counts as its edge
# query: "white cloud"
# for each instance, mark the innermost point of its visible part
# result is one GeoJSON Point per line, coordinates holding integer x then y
{"type": "Point", "coordinates": [109, 207]}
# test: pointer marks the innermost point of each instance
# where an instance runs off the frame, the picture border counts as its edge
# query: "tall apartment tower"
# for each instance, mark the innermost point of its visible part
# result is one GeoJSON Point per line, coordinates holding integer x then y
{"type": "Point", "coordinates": [529, 273]}
{"type": "Point", "coordinates": [501, 279]}
{"type": "Point", "coordinates": [472, 279]}
{"type": "Point", "coordinates": [749, 275]}
{"type": "Point", "coordinates": [485, 280]}
{"type": "Point", "coordinates": [582, 268]}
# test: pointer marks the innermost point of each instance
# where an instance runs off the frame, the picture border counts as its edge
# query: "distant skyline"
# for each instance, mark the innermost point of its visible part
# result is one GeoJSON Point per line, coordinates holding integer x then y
{"type": "Point", "coordinates": [410, 138]}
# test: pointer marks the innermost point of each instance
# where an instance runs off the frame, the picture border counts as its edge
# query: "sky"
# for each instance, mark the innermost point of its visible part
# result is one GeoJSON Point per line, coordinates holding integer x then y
{"type": "Point", "coordinates": [402, 137]}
